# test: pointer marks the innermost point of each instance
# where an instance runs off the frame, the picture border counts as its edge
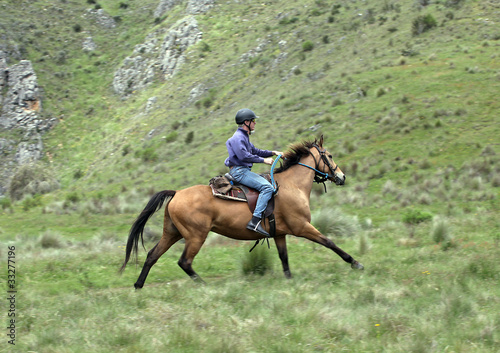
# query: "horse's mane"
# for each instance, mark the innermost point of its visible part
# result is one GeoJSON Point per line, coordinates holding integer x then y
{"type": "Point", "coordinates": [294, 154]}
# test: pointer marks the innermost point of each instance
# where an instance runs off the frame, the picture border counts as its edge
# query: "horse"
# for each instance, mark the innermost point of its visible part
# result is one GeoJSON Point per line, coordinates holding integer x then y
{"type": "Point", "coordinates": [193, 212]}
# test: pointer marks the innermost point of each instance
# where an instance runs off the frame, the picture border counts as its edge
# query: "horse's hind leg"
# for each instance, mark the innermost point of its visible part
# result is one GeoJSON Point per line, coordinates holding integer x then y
{"type": "Point", "coordinates": [169, 238]}
{"type": "Point", "coordinates": [191, 249]}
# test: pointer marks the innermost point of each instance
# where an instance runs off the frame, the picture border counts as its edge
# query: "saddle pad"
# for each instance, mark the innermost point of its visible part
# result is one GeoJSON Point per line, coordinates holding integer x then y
{"type": "Point", "coordinates": [234, 194]}
{"type": "Point", "coordinates": [220, 189]}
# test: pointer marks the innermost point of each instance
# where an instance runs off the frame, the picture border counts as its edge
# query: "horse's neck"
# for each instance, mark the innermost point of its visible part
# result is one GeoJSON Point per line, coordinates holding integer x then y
{"type": "Point", "coordinates": [299, 177]}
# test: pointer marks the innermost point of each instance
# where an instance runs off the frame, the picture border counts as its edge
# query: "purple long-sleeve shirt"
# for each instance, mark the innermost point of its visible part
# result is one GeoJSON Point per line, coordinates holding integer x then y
{"type": "Point", "coordinates": [242, 152]}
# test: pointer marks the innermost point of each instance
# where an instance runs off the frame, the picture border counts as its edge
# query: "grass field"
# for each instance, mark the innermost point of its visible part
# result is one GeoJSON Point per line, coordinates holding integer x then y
{"type": "Point", "coordinates": [416, 294]}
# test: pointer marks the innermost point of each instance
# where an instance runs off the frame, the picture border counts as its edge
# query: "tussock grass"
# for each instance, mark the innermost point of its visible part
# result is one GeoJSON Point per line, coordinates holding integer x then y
{"type": "Point", "coordinates": [332, 221]}
{"type": "Point", "coordinates": [257, 262]}
{"type": "Point", "coordinates": [401, 302]}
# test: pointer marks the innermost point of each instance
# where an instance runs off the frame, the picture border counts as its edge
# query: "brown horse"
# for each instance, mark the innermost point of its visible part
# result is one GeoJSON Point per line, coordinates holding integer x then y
{"type": "Point", "coordinates": [193, 212]}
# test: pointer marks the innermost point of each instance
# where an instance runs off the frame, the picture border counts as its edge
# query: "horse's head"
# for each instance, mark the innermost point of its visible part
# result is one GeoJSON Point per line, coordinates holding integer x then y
{"type": "Point", "coordinates": [326, 164]}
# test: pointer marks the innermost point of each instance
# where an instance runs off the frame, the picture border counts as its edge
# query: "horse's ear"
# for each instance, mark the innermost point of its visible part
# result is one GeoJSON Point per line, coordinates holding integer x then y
{"type": "Point", "coordinates": [320, 143]}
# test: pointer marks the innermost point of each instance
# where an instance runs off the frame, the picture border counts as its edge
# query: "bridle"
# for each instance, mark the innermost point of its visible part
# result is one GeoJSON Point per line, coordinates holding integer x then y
{"type": "Point", "coordinates": [319, 176]}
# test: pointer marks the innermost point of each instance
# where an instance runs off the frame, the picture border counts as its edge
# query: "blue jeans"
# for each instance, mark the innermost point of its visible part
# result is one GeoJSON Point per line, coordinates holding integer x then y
{"type": "Point", "coordinates": [245, 176]}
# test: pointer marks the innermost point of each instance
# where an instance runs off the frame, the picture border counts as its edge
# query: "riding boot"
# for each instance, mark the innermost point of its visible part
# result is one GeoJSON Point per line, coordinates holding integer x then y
{"type": "Point", "coordinates": [255, 224]}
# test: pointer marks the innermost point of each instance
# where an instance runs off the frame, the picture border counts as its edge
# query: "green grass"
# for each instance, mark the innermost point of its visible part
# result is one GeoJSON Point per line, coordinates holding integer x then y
{"type": "Point", "coordinates": [409, 298]}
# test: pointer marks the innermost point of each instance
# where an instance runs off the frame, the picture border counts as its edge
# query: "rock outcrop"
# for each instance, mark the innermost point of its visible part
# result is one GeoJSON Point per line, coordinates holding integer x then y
{"type": "Point", "coordinates": [193, 7]}
{"type": "Point", "coordinates": [20, 109]}
{"type": "Point", "coordinates": [22, 103]}
{"type": "Point", "coordinates": [162, 54]}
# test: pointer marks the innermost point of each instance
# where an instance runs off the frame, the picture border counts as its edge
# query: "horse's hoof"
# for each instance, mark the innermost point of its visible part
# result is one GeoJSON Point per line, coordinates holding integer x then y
{"type": "Point", "coordinates": [357, 266]}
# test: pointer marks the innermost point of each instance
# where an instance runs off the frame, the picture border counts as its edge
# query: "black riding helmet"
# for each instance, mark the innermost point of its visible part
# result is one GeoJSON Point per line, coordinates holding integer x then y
{"type": "Point", "coordinates": [243, 115]}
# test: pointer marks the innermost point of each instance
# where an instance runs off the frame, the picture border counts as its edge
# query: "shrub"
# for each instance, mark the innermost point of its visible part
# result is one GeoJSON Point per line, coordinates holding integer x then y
{"type": "Point", "coordinates": [126, 150]}
{"type": "Point", "coordinates": [30, 202]}
{"type": "Point", "coordinates": [148, 154]}
{"type": "Point", "coordinates": [78, 174]}
{"type": "Point", "coordinates": [207, 102]}
{"type": "Point", "coordinates": [414, 217]}
{"type": "Point", "coordinates": [257, 262]}
{"type": "Point", "coordinates": [423, 24]}
{"type": "Point", "coordinates": [307, 45]}
{"type": "Point", "coordinates": [5, 203]}
{"type": "Point", "coordinates": [380, 92]}
{"type": "Point", "coordinates": [488, 151]}
{"type": "Point", "coordinates": [73, 197]}
{"type": "Point", "coordinates": [171, 137]}
{"type": "Point", "coordinates": [205, 47]}
{"type": "Point", "coordinates": [286, 20]}
{"type": "Point", "coordinates": [31, 179]}
{"type": "Point", "coordinates": [495, 181]}
{"type": "Point", "coordinates": [189, 137]}
{"type": "Point", "coordinates": [453, 3]}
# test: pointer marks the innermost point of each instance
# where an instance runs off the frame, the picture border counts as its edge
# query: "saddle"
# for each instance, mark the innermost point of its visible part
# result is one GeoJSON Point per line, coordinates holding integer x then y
{"type": "Point", "coordinates": [225, 187]}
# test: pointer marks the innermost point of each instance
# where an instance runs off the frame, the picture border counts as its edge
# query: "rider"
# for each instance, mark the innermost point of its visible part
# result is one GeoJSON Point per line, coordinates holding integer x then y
{"type": "Point", "coordinates": [242, 155]}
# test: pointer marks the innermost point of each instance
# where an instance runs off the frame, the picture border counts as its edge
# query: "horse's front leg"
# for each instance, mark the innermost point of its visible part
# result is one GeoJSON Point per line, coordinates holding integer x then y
{"type": "Point", "coordinates": [283, 254]}
{"type": "Point", "coordinates": [311, 233]}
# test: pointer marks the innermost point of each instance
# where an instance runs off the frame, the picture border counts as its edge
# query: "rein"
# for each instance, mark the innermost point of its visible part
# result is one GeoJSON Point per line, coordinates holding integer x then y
{"type": "Point", "coordinates": [273, 182]}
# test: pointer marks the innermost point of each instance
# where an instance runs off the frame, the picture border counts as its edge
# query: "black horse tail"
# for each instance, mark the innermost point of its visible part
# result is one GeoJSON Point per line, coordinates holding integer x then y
{"type": "Point", "coordinates": [136, 232]}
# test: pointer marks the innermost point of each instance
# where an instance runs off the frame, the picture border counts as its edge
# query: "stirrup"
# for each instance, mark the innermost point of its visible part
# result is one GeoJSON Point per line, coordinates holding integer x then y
{"type": "Point", "coordinates": [257, 228]}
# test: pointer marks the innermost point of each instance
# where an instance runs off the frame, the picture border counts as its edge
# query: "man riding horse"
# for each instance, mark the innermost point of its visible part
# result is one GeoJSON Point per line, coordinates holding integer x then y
{"type": "Point", "coordinates": [242, 155]}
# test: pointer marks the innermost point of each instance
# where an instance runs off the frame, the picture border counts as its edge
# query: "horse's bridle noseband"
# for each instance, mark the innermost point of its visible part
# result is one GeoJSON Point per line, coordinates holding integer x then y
{"type": "Point", "coordinates": [319, 176]}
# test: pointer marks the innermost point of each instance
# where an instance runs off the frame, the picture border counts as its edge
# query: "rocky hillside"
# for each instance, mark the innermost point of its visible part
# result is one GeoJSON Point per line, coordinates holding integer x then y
{"type": "Point", "coordinates": [86, 85]}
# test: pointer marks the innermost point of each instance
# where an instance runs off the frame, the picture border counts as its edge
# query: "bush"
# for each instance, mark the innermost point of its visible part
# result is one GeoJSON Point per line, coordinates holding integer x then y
{"type": "Point", "coordinates": [207, 102]}
{"type": "Point", "coordinates": [126, 150]}
{"type": "Point", "coordinates": [257, 262]}
{"type": "Point", "coordinates": [31, 179]}
{"type": "Point", "coordinates": [307, 45]}
{"type": "Point", "coordinates": [31, 202]}
{"type": "Point", "coordinates": [423, 24]}
{"type": "Point", "coordinates": [171, 137]}
{"type": "Point", "coordinates": [147, 155]}
{"type": "Point", "coordinates": [414, 217]}
{"type": "Point", "coordinates": [78, 174]}
{"type": "Point", "coordinates": [73, 197]}
{"type": "Point", "coordinates": [380, 92]}
{"type": "Point", "coordinates": [5, 203]}
{"type": "Point", "coordinates": [453, 3]}
{"type": "Point", "coordinates": [286, 20]}
{"type": "Point", "coordinates": [189, 137]}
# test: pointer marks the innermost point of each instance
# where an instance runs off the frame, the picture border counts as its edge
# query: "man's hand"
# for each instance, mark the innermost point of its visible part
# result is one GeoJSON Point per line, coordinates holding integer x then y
{"type": "Point", "coordinates": [277, 153]}
{"type": "Point", "coordinates": [268, 161]}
